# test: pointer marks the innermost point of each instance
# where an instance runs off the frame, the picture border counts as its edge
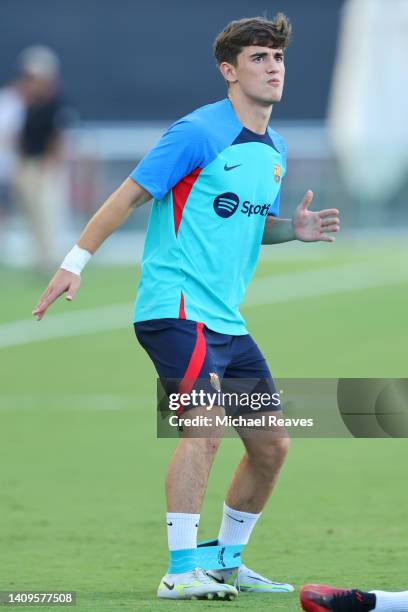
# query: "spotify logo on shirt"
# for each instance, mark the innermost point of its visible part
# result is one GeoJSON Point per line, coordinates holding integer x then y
{"type": "Point", "coordinates": [226, 204]}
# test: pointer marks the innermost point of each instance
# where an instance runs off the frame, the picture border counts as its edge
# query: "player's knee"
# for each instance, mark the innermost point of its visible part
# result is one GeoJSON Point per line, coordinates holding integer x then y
{"type": "Point", "coordinates": [211, 445]}
{"type": "Point", "coordinates": [206, 447]}
{"type": "Point", "coordinates": [282, 446]}
{"type": "Point", "coordinates": [271, 453]}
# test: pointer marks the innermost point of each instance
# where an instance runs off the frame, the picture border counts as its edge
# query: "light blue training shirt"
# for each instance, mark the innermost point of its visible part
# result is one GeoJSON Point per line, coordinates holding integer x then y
{"type": "Point", "coordinates": [213, 182]}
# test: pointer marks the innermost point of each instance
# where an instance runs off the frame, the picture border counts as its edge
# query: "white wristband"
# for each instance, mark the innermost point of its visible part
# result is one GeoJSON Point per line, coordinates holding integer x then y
{"type": "Point", "coordinates": [76, 260]}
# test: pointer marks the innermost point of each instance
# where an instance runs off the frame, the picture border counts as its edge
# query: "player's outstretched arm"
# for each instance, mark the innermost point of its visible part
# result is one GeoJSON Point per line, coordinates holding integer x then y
{"type": "Point", "coordinates": [305, 225]}
{"type": "Point", "coordinates": [109, 217]}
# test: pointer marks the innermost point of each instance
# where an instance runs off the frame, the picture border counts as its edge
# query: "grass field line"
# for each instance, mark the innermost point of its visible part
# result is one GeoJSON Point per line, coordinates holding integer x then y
{"type": "Point", "coordinates": [272, 289]}
{"type": "Point", "coordinates": [326, 281]}
{"type": "Point", "coordinates": [88, 401]}
{"type": "Point", "coordinates": [53, 326]}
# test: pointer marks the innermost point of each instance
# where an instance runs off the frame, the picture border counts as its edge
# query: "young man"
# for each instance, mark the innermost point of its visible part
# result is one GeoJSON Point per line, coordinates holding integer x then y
{"type": "Point", "coordinates": [215, 177]}
{"type": "Point", "coordinates": [321, 597]}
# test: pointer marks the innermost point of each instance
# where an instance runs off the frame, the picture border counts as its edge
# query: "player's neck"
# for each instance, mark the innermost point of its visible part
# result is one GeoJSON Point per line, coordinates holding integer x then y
{"type": "Point", "coordinates": [254, 117]}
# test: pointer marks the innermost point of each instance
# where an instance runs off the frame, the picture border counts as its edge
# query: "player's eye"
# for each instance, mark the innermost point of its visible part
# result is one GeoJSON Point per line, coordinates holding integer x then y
{"type": "Point", "coordinates": [279, 57]}
{"type": "Point", "coordinates": [258, 58]}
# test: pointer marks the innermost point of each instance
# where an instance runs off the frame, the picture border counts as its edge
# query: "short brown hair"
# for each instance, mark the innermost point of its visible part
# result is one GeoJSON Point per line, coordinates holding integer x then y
{"type": "Point", "coordinates": [253, 31]}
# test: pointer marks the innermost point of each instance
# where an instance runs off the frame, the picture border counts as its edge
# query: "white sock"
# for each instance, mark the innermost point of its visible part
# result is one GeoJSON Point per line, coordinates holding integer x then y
{"type": "Point", "coordinates": [391, 602]}
{"type": "Point", "coordinates": [236, 526]}
{"type": "Point", "coordinates": [182, 530]}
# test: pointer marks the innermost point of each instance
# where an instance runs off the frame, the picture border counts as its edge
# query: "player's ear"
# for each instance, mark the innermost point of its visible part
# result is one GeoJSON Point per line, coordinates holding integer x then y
{"type": "Point", "coordinates": [228, 72]}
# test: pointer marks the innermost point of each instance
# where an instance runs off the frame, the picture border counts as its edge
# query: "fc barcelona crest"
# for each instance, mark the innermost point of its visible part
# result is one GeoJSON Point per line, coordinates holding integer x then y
{"type": "Point", "coordinates": [277, 173]}
{"type": "Point", "coordinates": [215, 381]}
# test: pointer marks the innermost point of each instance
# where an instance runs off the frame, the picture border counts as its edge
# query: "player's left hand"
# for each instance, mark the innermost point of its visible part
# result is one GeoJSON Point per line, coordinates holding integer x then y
{"type": "Point", "coordinates": [311, 226]}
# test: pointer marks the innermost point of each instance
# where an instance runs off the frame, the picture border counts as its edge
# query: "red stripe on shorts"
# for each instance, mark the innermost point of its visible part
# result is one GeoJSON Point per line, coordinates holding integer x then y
{"type": "Point", "coordinates": [195, 364]}
{"type": "Point", "coordinates": [182, 312]}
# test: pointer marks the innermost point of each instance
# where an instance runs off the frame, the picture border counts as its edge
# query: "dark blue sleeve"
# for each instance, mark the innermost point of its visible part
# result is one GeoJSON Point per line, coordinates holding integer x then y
{"type": "Point", "coordinates": [275, 208]}
{"type": "Point", "coordinates": [179, 151]}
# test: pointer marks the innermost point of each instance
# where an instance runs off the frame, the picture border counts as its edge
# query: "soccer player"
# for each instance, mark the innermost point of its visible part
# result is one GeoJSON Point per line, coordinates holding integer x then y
{"type": "Point", "coordinates": [321, 597]}
{"type": "Point", "coordinates": [215, 177]}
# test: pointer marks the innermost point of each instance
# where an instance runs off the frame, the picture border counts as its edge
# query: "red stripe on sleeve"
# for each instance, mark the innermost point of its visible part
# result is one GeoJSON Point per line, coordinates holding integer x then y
{"type": "Point", "coordinates": [195, 364]}
{"type": "Point", "coordinates": [181, 191]}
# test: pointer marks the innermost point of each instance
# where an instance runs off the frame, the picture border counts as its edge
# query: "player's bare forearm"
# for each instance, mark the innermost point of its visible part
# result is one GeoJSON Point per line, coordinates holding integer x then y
{"type": "Point", "coordinates": [112, 214]}
{"type": "Point", "coordinates": [277, 230]}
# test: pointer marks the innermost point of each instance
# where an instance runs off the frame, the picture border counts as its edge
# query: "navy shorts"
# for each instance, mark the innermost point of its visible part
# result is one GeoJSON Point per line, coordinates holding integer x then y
{"type": "Point", "coordinates": [192, 356]}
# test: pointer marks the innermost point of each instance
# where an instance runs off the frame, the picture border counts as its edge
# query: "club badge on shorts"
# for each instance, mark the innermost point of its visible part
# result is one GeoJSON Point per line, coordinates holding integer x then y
{"type": "Point", "coordinates": [215, 381]}
{"type": "Point", "coordinates": [277, 173]}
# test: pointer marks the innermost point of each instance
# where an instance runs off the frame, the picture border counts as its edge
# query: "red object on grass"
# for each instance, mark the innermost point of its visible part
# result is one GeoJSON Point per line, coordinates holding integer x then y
{"type": "Point", "coordinates": [318, 597]}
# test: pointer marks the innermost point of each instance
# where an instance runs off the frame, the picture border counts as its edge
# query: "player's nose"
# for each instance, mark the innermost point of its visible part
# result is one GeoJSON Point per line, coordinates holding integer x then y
{"type": "Point", "coordinates": [272, 67]}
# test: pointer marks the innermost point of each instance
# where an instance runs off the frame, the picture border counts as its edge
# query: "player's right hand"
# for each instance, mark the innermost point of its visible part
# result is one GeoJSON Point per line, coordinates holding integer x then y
{"type": "Point", "coordinates": [62, 282]}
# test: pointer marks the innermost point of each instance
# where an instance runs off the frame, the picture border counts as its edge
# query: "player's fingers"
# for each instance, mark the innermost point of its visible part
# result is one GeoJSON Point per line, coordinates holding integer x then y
{"type": "Point", "coordinates": [49, 298]}
{"type": "Point", "coordinates": [39, 311]}
{"type": "Point", "coordinates": [326, 238]}
{"type": "Point", "coordinates": [328, 212]}
{"type": "Point", "coordinates": [307, 200]}
{"type": "Point", "coordinates": [44, 295]}
{"type": "Point", "coordinates": [72, 289]}
{"type": "Point", "coordinates": [41, 302]}
{"type": "Point", "coordinates": [39, 314]}
{"type": "Point", "coordinates": [327, 220]}
{"type": "Point", "coordinates": [332, 225]}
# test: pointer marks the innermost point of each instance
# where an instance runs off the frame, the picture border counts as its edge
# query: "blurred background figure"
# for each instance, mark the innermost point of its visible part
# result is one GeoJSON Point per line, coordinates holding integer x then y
{"type": "Point", "coordinates": [12, 115]}
{"type": "Point", "coordinates": [369, 101]}
{"type": "Point", "coordinates": [41, 180]}
{"type": "Point", "coordinates": [345, 138]}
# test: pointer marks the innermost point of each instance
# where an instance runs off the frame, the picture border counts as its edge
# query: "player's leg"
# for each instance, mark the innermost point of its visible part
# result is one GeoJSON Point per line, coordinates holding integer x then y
{"type": "Point", "coordinates": [258, 471]}
{"type": "Point", "coordinates": [191, 463]}
{"type": "Point", "coordinates": [190, 466]}
{"type": "Point", "coordinates": [256, 474]}
{"type": "Point", "coordinates": [322, 597]}
{"type": "Point", "coordinates": [251, 486]}
{"type": "Point", "coordinates": [181, 352]}
{"type": "Point", "coordinates": [178, 347]}
{"type": "Point", "coordinates": [266, 448]}
{"type": "Point", "coordinates": [186, 482]}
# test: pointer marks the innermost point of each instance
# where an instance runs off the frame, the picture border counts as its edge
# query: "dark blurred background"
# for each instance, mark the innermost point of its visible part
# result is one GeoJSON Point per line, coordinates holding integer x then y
{"type": "Point", "coordinates": [133, 60]}
{"type": "Point", "coordinates": [127, 69]}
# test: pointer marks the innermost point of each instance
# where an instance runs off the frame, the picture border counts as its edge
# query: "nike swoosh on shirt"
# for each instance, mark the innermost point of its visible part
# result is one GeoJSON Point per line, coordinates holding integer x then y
{"type": "Point", "coordinates": [226, 167]}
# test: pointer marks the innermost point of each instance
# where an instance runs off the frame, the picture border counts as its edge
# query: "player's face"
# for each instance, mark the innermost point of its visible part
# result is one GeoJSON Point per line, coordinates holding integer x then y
{"type": "Point", "coordinates": [260, 73]}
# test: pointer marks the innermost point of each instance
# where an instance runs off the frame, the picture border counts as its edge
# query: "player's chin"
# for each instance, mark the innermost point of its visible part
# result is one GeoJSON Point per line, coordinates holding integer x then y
{"type": "Point", "coordinates": [273, 98]}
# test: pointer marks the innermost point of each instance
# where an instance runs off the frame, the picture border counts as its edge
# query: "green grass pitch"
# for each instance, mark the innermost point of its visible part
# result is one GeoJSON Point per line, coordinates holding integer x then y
{"type": "Point", "coordinates": [81, 477]}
